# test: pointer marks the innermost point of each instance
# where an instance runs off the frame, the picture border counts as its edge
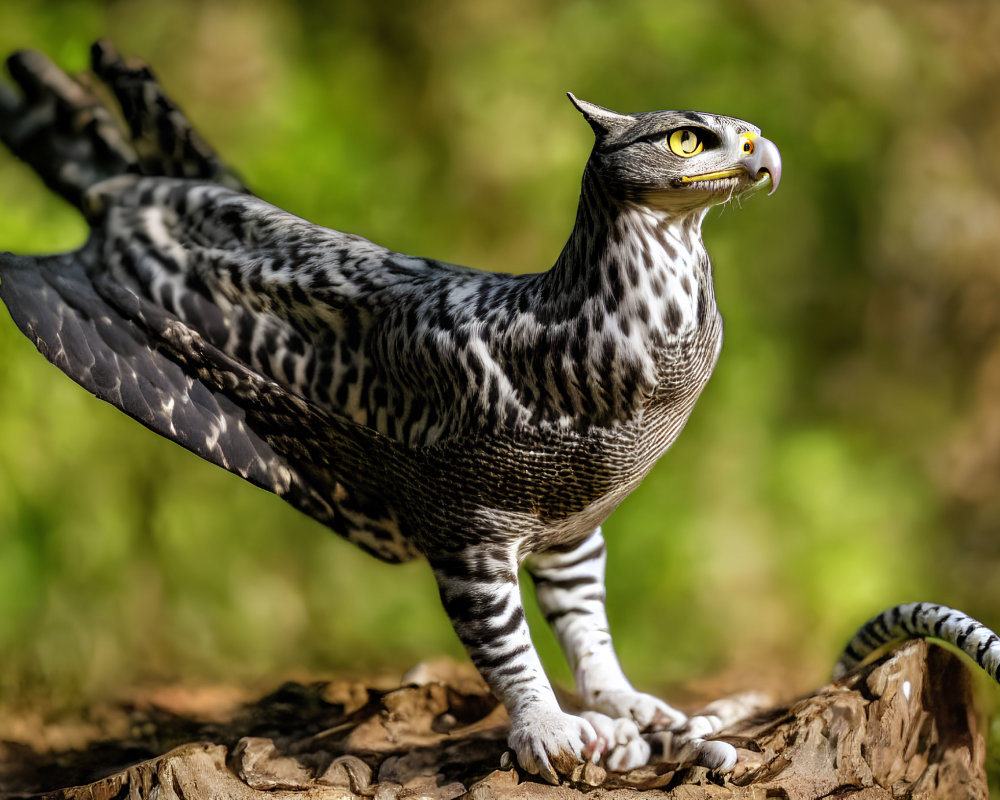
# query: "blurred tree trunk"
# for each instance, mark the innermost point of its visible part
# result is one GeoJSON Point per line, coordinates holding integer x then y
{"type": "Point", "coordinates": [903, 727]}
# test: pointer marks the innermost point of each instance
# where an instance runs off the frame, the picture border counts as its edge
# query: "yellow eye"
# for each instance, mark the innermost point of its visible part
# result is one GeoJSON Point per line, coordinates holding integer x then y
{"type": "Point", "coordinates": [685, 143]}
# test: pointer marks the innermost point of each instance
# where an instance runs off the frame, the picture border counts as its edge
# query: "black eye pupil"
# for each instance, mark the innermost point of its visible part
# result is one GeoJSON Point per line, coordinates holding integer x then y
{"type": "Point", "coordinates": [746, 147]}
{"type": "Point", "coordinates": [684, 142]}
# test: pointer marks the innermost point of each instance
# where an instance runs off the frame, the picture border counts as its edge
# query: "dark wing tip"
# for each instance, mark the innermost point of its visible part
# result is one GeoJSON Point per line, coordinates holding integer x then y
{"type": "Point", "coordinates": [102, 53]}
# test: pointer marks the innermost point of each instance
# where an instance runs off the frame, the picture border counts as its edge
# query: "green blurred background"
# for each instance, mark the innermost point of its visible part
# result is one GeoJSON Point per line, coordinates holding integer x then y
{"type": "Point", "coordinates": [844, 457]}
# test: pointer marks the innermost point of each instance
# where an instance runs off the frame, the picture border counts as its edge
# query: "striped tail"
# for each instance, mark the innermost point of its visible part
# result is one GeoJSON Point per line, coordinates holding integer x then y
{"type": "Point", "coordinates": [912, 620]}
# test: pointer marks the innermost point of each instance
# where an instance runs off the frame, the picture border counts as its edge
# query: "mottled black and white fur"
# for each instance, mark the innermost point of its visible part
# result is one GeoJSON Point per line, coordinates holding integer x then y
{"type": "Point", "coordinates": [486, 422]}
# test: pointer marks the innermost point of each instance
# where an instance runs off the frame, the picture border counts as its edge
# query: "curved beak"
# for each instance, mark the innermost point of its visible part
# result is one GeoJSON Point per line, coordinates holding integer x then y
{"type": "Point", "coordinates": [764, 160]}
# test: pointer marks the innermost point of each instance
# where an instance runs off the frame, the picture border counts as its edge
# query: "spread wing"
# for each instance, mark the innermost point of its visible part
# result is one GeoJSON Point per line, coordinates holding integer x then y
{"type": "Point", "coordinates": [126, 352]}
{"type": "Point", "coordinates": [297, 357]}
{"type": "Point", "coordinates": [131, 353]}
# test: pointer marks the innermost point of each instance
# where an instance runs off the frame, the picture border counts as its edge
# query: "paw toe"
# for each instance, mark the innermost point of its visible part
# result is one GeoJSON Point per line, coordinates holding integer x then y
{"type": "Point", "coordinates": [719, 756]}
{"type": "Point", "coordinates": [629, 755]}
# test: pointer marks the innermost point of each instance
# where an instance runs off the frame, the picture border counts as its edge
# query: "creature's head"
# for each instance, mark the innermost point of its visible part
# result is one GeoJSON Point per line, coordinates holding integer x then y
{"type": "Point", "coordinates": [679, 160]}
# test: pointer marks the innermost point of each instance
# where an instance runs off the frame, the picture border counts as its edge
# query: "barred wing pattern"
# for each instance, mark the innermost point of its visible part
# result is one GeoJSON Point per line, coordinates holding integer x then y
{"type": "Point", "coordinates": [130, 353]}
{"type": "Point", "coordinates": [372, 335]}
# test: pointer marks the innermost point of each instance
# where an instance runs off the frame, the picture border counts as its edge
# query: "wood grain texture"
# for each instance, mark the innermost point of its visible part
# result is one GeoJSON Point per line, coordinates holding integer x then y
{"type": "Point", "coordinates": [903, 727]}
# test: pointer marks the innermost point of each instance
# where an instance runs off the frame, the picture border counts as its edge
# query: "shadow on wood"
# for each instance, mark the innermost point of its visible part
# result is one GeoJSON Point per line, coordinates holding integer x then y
{"type": "Point", "coordinates": [902, 727]}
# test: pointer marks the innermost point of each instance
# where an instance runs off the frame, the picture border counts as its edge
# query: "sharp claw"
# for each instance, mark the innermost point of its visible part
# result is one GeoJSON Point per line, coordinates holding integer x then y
{"type": "Point", "coordinates": [545, 770]}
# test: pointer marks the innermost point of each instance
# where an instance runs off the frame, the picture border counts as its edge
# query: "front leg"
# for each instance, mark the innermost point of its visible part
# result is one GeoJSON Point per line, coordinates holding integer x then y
{"type": "Point", "coordinates": [482, 597]}
{"type": "Point", "coordinates": [569, 584]}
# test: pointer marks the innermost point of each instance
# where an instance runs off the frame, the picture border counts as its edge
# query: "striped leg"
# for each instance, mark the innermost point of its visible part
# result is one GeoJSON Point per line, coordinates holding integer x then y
{"type": "Point", "coordinates": [482, 597]}
{"type": "Point", "coordinates": [570, 589]}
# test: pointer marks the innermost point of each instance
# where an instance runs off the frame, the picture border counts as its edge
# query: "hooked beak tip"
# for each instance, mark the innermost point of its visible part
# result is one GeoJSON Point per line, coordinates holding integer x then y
{"type": "Point", "coordinates": [773, 178]}
{"type": "Point", "coordinates": [767, 161]}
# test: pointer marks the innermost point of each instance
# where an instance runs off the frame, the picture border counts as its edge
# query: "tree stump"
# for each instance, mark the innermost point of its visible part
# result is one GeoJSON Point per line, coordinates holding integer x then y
{"type": "Point", "coordinates": [902, 727]}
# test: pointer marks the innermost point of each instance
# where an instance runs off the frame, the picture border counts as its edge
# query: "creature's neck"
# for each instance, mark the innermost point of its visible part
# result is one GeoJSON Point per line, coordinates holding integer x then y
{"type": "Point", "coordinates": [644, 266]}
{"type": "Point", "coordinates": [625, 312]}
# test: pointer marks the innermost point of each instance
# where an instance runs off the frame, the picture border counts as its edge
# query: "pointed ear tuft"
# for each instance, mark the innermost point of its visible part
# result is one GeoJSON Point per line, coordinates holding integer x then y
{"type": "Point", "coordinates": [604, 121]}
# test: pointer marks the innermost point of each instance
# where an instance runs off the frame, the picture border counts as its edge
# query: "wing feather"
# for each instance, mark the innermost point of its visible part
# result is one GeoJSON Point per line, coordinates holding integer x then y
{"type": "Point", "coordinates": [386, 340]}
{"type": "Point", "coordinates": [129, 353]}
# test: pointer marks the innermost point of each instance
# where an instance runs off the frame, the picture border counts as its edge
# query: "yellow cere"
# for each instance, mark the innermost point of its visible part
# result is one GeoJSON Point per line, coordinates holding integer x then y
{"type": "Point", "coordinates": [685, 143]}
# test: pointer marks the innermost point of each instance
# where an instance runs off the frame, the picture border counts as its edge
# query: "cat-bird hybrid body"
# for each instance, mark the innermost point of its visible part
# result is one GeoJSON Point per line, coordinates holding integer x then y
{"type": "Point", "coordinates": [484, 421]}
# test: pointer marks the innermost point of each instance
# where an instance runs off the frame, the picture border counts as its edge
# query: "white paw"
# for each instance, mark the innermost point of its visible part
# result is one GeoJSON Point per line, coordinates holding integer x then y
{"type": "Point", "coordinates": [647, 711]}
{"type": "Point", "coordinates": [621, 741]}
{"type": "Point", "coordinates": [687, 747]}
{"type": "Point", "coordinates": [549, 743]}
{"type": "Point", "coordinates": [689, 743]}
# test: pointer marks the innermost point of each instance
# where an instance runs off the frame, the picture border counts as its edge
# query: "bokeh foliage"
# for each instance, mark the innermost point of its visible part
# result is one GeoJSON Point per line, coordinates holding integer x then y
{"type": "Point", "coordinates": [844, 457]}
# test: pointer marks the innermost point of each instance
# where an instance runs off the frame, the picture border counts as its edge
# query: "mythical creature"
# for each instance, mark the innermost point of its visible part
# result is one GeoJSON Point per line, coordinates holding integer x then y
{"type": "Point", "coordinates": [483, 421]}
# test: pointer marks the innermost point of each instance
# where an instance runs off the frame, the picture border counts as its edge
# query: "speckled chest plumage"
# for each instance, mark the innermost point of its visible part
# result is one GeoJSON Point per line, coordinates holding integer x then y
{"type": "Point", "coordinates": [617, 392]}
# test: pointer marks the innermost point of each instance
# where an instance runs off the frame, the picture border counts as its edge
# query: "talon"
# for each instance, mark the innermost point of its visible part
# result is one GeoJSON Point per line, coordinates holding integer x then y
{"type": "Point", "coordinates": [548, 774]}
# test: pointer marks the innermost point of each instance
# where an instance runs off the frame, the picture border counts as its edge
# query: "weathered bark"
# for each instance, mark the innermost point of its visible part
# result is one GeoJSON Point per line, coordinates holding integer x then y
{"type": "Point", "coordinates": [903, 727]}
